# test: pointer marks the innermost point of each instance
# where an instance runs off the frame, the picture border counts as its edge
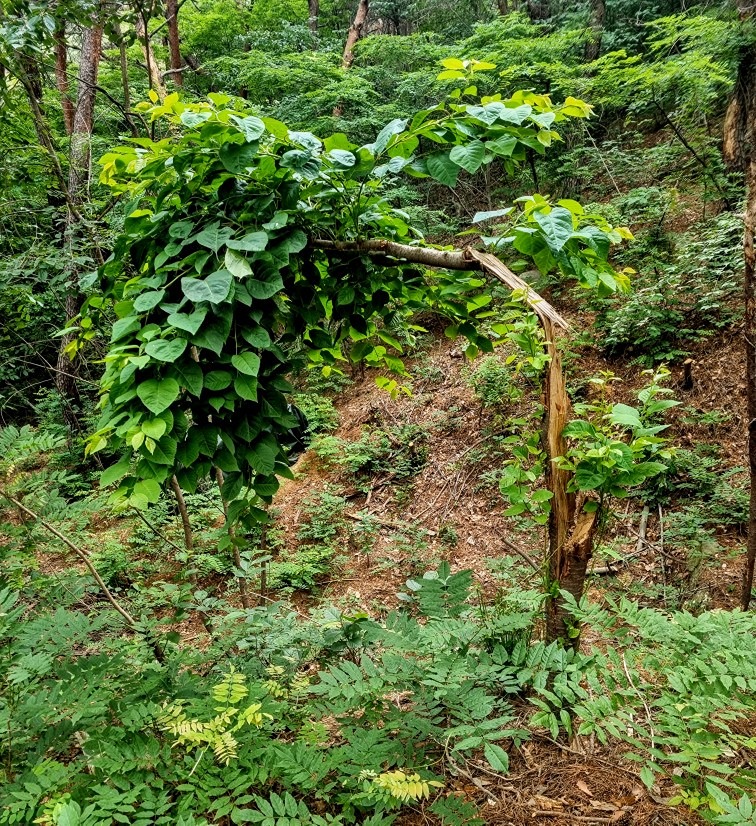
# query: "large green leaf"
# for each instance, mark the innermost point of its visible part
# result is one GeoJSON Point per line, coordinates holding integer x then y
{"type": "Point", "coordinates": [158, 395]}
{"type": "Point", "coordinates": [238, 157]}
{"type": "Point", "coordinates": [237, 264]}
{"type": "Point", "coordinates": [164, 349]}
{"type": "Point", "coordinates": [189, 375]}
{"type": "Point", "coordinates": [469, 156]}
{"type": "Point", "coordinates": [147, 301]}
{"type": "Point", "coordinates": [246, 387]}
{"type": "Point", "coordinates": [214, 236]}
{"type": "Point", "coordinates": [247, 363]}
{"type": "Point", "coordinates": [442, 168]}
{"type": "Point", "coordinates": [215, 288]}
{"type": "Point", "coordinates": [251, 127]}
{"type": "Point", "coordinates": [556, 225]}
{"type": "Point", "coordinates": [191, 322]}
{"type": "Point", "coordinates": [251, 242]}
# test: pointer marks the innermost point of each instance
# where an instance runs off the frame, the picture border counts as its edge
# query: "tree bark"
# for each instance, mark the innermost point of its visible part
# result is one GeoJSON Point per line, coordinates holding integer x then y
{"type": "Point", "coordinates": [183, 512]}
{"type": "Point", "coordinates": [66, 374]}
{"type": "Point", "coordinates": [503, 6]}
{"type": "Point", "coordinates": [174, 46]}
{"type": "Point", "coordinates": [598, 15]}
{"type": "Point", "coordinates": [153, 71]}
{"type": "Point", "coordinates": [61, 76]}
{"type": "Point", "coordinates": [314, 14]}
{"type": "Point", "coordinates": [355, 33]}
{"type": "Point", "coordinates": [740, 154]}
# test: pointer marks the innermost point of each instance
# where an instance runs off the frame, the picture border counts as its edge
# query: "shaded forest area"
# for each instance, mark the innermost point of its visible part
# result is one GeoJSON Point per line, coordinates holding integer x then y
{"type": "Point", "coordinates": [375, 404]}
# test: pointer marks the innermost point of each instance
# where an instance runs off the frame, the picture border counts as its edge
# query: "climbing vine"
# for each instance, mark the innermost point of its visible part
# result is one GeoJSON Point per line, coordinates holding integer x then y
{"type": "Point", "coordinates": [234, 267]}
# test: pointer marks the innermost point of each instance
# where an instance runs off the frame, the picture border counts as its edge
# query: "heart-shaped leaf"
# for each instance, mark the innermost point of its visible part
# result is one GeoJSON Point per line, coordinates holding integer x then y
{"type": "Point", "coordinates": [158, 395]}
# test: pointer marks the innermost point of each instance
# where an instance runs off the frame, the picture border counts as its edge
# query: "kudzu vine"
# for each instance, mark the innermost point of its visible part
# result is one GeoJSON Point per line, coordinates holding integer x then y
{"type": "Point", "coordinates": [226, 277]}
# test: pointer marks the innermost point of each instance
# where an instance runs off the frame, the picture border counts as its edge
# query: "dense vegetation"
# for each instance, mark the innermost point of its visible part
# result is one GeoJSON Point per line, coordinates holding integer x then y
{"type": "Point", "coordinates": [493, 253]}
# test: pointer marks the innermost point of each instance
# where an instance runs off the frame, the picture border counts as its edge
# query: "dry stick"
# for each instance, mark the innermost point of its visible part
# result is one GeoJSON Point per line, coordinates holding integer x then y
{"type": "Point", "coordinates": [188, 538]}
{"type": "Point", "coordinates": [363, 517]}
{"type": "Point", "coordinates": [158, 534]}
{"type": "Point", "coordinates": [84, 557]}
{"type": "Point", "coordinates": [529, 559]}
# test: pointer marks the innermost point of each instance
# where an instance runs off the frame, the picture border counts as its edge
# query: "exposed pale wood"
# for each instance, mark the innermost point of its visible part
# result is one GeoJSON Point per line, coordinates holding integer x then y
{"type": "Point", "coordinates": [467, 259]}
{"type": "Point", "coordinates": [355, 33]}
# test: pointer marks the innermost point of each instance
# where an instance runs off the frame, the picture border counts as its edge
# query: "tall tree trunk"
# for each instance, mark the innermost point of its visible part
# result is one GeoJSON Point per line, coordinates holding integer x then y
{"type": "Point", "coordinates": [61, 76]}
{"type": "Point", "coordinates": [739, 148]}
{"type": "Point", "coordinates": [314, 13]}
{"type": "Point", "coordinates": [503, 6]}
{"type": "Point", "coordinates": [355, 32]}
{"type": "Point", "coordinates": [171, 17]}
{"type": "Point", "coordinates": [598, 15]}
{"type": "Point", "coordinates": [78, 188]}
{"type": "Point", "coordinates": [153, 70]}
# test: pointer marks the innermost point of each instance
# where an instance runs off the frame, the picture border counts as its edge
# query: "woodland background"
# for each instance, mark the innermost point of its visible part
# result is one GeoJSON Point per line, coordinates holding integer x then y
{"type": "Point", "coordinates": [376, 651]}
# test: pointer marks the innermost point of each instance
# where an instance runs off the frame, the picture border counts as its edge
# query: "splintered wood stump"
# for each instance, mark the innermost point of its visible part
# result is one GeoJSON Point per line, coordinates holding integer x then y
{"type": "Point", "coordinates": [567, 568]}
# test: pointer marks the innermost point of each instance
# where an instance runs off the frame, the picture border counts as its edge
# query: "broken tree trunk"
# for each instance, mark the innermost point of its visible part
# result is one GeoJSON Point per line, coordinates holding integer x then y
{"type": "Point", "coordinates": [570, 535]}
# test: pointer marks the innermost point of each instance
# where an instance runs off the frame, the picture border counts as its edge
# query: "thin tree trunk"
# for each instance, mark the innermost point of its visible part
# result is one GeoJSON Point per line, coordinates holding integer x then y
{"type": "Point", "coordinates": [171, 17]}
{"type": "Point", "coordinates": [242, 582]}
{"type": "Point", "coordinates": [598, 15]}
{"type": "Point", "coordinates": [314, 14]}
{"type": "Point", "coordinates": [78, 187]}
{"type": "Point", "coordinates": [61, 76]}
{"type": "Point", "coordinates": [503, 6]}
{"type": "Point", "coordinates": [355, 33]}
{"type": "Point", "coordinates": [184, 513]}
{"type": "Point", "coordinates": [740, 154]}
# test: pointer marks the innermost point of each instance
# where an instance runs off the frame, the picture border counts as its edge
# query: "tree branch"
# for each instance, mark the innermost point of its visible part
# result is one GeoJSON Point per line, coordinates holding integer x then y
{"type": "Point", "coordinates": [466, 259]}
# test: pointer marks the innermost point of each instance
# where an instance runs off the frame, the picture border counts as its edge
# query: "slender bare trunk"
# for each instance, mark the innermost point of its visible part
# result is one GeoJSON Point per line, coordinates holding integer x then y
{"type": "Point", "coordinates": [355, 32]}
{"type": "Point", "coordinates": [503, 6]}
{"type": "Point", "coordinates": [598, 15]}
{"type": "Point", "coordinates": [61, 76]}
{"type": "Point", "coordinates": [241, 580]}
{"type": "Point", "coordinates": [184, 513]}
{"type": "Point", "coordinates": [314, 13]}
{"type": "Point", "coordinates": [174, 46]}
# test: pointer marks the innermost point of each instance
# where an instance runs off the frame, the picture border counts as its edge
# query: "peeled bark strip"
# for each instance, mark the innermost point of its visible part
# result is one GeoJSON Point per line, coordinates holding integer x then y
{"type": "Point", "coordinates": [355, 33]}
{"type": "Point", "coordinates": [556, 410]}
